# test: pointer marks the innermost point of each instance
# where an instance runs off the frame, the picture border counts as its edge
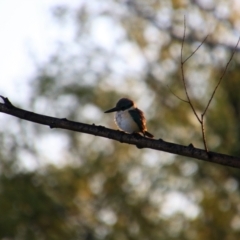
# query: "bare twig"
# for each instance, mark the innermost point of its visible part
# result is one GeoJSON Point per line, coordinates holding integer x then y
{"type": "Point", "coordinates": [195, 49]}
{"type": "Point", "coordinates": [182, 72]}
{"type": "Point", "coordinates": [201, 120]}
{"type": "Point", "coordinates": [181, 99]}
{"type": "Point", "coordinates": [203, 133]}
{"type": "Point", "coordinates": [221, 78]}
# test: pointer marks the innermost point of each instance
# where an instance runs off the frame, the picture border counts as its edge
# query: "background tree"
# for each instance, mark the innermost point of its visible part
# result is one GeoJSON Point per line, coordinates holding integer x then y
{"type": "Point", "coordinates": [100, 189]}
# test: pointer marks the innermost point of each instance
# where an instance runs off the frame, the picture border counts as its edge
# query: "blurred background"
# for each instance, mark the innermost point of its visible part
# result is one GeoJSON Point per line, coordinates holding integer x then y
{"type": "Point", "coordinates": [75, 59]}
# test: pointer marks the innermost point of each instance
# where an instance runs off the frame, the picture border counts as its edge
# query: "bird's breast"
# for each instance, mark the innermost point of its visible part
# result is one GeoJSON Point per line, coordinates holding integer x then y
{"type": "Point", "coordinates": [125, 122]}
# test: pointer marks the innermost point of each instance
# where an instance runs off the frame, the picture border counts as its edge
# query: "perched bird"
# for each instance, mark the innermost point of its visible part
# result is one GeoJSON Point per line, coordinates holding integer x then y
{"type": "Point", "coordinates": [129, 118]}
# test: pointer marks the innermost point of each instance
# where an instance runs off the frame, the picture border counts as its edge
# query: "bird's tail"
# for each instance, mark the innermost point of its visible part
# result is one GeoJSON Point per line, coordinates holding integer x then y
{"type": "Point", "coordinates": [148, 134]}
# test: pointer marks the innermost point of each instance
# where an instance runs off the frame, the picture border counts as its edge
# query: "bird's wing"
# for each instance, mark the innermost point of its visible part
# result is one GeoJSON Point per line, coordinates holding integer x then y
{"type": "Point", "coordinates": [138, 118]}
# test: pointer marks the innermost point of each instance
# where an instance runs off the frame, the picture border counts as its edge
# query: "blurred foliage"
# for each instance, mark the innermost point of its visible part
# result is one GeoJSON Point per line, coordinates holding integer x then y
{"type": "Point", "coordinates": [64, 185]}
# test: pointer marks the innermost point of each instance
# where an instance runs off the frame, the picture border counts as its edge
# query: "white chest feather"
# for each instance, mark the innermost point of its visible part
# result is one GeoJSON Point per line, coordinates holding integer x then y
{"type": "Point", "coordinates": [125, 122]}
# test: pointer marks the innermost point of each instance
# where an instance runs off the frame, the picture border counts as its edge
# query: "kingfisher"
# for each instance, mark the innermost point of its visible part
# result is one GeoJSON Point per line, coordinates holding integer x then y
{"type": "Point", "coordinates": [129, 118]}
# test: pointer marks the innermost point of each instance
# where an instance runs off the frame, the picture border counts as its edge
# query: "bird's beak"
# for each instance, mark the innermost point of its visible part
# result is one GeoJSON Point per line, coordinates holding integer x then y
{"type": "Point", "coordinates": [112, 110]}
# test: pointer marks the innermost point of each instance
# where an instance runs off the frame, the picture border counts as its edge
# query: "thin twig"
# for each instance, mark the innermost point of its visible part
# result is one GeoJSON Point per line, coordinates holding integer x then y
{"type": "Point", "coordinates": [183, 76]}
{"type": "Point", "coordinates": [221, 78]}
{"type": "Point", "coordinates": [196, 49]}
{"type": "Point", "coordinates": [181, 99]}
{"type": "Point", "coordinates": [203, 133]}
{"type": "Point", "coordinates": [201, 121]}
{"type": "Point", "coordinates": [182, 63]}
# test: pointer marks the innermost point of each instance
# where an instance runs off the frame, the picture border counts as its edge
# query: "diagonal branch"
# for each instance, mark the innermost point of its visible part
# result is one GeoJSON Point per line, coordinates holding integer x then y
{"type": "Point", "coordinates": [221, 78]}
{"type": "Point", "coordinates": [181, 99]}
{"type": "Point", "coordinates": [195, 49]}
{"type": "Point", "coordinates": [142, 142]}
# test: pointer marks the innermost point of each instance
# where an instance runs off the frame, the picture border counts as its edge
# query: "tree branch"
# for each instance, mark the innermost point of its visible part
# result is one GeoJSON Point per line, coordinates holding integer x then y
{"type": "Point", "coordinates": [142, 142]}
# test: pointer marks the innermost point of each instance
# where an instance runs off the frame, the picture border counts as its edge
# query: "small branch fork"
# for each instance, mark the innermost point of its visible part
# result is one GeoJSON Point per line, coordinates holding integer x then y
{"type": "Point", "coordinates": [183, 61]}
